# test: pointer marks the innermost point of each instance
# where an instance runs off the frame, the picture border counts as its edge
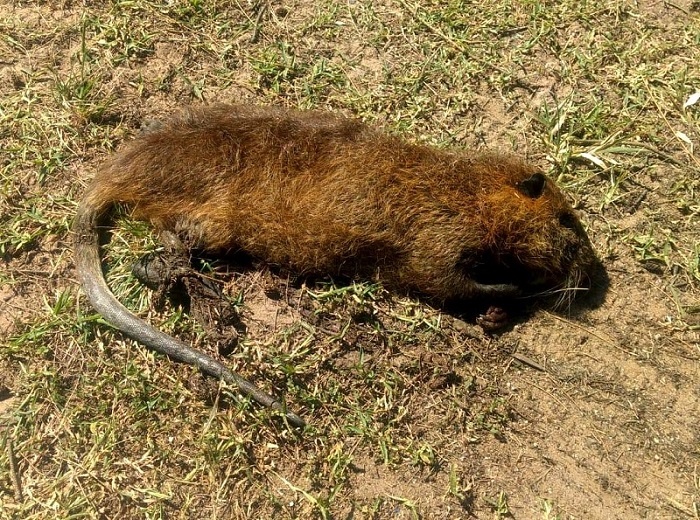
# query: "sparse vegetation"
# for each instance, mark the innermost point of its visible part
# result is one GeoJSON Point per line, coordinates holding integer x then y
{"type": "Point", "coordinates": [412, 413]}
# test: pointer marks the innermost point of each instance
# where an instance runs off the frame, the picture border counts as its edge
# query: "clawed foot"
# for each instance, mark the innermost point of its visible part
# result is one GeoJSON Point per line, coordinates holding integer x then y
{"type": "Point", "coordinates": [493, 319]}
{"type": "Point", "coordinates": [171, 275]}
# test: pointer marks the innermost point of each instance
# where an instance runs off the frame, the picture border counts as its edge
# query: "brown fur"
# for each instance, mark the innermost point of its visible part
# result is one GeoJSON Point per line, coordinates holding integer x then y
{"type": "Point", "coordinates": [318, 193]}
{"type": "Point", "coordinates": [322, 194]}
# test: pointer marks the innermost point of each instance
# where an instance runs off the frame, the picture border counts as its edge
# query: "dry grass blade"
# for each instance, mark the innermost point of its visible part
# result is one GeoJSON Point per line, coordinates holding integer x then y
{"type": "Point", "coordinates": [15, 475]}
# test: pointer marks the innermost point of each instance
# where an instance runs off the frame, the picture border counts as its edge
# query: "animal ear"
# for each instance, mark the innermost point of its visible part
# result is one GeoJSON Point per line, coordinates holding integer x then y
{"type": "Point", "coordinates": [533, 186]}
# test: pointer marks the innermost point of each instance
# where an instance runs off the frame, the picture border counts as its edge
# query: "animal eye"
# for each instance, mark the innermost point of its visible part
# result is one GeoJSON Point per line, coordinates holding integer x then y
{"type": "Point", "coordinates": [533, 186]}
{"type": "Point", "coordinates": [567, 220]}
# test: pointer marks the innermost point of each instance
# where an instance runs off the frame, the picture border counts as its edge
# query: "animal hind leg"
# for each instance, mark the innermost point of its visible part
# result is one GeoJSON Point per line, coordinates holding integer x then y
{"type": "Point", "coordinates": [171, 274]}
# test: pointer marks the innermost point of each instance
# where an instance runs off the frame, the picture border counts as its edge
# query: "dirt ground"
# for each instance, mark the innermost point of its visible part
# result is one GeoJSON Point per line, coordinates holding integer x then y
{"type": "Point", "coordinates": [414, 412]}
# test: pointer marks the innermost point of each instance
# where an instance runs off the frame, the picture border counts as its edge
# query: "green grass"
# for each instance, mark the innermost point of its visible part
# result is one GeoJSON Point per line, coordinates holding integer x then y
{"type": "Point", "coordinates": [592, 91]}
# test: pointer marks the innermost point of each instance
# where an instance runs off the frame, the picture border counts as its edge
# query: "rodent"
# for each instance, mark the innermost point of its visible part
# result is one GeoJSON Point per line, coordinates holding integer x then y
{"type": "Point", "coordinates": [318, 193]}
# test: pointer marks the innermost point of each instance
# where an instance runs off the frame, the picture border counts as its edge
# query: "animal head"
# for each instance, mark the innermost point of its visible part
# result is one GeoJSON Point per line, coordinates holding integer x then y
{"type": "Point", "coordinates": [532, 237]}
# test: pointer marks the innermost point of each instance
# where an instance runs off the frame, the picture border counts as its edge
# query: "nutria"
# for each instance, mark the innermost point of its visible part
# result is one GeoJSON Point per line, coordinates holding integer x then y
{"type": "Point", "coordinates": [317, 193]}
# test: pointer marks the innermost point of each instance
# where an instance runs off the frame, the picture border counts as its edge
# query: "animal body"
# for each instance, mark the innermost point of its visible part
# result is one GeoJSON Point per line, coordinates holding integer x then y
{"type": "Point", "coordinates": [317, 193]}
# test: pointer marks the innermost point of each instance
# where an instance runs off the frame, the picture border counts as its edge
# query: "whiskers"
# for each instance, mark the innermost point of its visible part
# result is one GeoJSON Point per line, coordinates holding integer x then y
{"type": "Point", "coordinates": [563, 295]}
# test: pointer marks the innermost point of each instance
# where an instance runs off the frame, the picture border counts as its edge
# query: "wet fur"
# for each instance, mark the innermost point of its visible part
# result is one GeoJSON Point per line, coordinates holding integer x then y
{"type": "Point", "coordinates": [321, 194]}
